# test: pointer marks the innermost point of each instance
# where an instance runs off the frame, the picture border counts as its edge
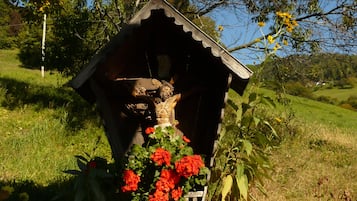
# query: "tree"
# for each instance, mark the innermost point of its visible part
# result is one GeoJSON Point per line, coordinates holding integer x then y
{"type": "Point", "coordinates": [10, 23]}
{"type": "Point", "coordinates": [86, 26]}
{"type": "Point", "coordinates": [301, 25]}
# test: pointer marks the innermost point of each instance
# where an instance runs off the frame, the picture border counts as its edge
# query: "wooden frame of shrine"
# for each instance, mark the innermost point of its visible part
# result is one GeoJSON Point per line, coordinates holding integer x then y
{"type": "Point", "coordinates": [161, 56]}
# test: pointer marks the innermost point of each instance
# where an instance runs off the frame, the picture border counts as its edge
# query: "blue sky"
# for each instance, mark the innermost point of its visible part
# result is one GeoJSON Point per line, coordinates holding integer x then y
{"type": "Point", "coordinates": [239, 29]}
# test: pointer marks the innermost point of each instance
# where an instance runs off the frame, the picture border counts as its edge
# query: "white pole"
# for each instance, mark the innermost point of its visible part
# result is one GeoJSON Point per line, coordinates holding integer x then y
{"type": "Point", "coordinates": [43, 45]}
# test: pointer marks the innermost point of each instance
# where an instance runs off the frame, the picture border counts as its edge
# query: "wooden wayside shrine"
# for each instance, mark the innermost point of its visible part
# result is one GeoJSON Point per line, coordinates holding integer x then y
{"type": "Point", "coordinates": [161, 55]}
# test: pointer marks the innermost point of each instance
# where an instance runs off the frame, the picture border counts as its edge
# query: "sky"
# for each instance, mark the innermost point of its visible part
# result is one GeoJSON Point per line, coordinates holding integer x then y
{"type": "Point", "coordinates": [239, 29]}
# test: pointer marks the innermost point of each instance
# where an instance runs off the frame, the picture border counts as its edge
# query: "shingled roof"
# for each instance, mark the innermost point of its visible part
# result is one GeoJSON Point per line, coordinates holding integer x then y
{"type": "Point", "coordinates": [240, 72]}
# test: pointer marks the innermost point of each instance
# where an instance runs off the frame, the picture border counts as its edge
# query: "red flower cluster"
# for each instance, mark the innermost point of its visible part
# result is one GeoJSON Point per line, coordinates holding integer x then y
{"type": "Point", "coordinates": [149, 130]}
{"type": "Point", "coordinates": [166, 183]}
{"type": "Point", "coordinates": [161, 156]}
{"type": "Point", "coordinates": [131, 181]}
{"type": "Point", "coordinates": [189, 165]}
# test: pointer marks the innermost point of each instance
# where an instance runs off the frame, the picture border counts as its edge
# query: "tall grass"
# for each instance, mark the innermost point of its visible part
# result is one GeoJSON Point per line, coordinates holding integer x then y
{"type": "Point", "coordinates": [319, 165]}
{"type": "Point", "coordinates": [319, 162]}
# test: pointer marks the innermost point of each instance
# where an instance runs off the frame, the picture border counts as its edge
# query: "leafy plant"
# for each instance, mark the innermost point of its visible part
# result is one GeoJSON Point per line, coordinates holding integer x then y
{"type": "Point", "coordinates": [242, 156]}
{"type": "Point", "coordinates": [163, 168]}
{"type": "Point", "coordinates": [91, 178]}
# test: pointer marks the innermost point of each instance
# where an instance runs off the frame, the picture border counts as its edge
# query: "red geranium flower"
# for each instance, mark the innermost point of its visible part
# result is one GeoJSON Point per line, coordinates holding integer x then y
{"type": "Point", "coordinates": [168, 180]}
{"type": "Point", "coordinates": [186, 139]}
{"type": "Point", "coordinates": [161, 156]}
{"type": "Point", "coordinates": [159, 196]}
{"type": "Point", "coordinates": [176, 193]}
{"type": "Point", "coordinates": [149, 130]}
{"type": "Point", "coordinates": [92, 164]}
{"type": "Point", "coordinates": [189, 165]}
{"type": "Point", "coordinates": [131, 181]}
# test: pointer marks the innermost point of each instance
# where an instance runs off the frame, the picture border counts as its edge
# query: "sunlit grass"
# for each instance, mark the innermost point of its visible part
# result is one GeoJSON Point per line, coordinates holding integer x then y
{"type": "Point", "coordinates": [338, 94]}
{"type": "Point", "coordinates": [43, 125]}
{"type": "Point", "coordinates": [317, 165]}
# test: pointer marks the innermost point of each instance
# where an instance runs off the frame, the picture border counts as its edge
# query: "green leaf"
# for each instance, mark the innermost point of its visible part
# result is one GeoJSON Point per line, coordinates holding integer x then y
{"type": "Point", "coordinates": [239, 170]}
{"type": "Point", "coordinates": [248, 147]}
{"type": "Point", "coordinates": [242, 182]}
{"type": "Point", "coordinates": [227, 185]}
{"type": "Point", "coordinates": [266, 100]}
{"type": "Point", "coordinates": [232, 104]}
{"type": "Point", "coordinates": [81, 158]}
{"type": "Point", "coordinates": [256, 121]}
{"type": "Point", "coordinates": [82, 166]}
{"type": "Point", "coordinates": [252, 97]}
{"type": "Point", "coordinates": [245, 107]}
{"type": "Point", "coordinates": [271, 128]}
{"type": "Point", "coordinates": [73, 172]}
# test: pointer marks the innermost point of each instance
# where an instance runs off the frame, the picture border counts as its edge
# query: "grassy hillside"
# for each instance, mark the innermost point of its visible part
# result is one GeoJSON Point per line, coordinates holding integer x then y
{"type": "Point", "coordinates": [338, 94]}
{"type": "Point", "coordinates": [320, 162]}
{"type": "Point", "coordinates": [44, 124]}
{"type": "Point", "coordinates": [313, 112]}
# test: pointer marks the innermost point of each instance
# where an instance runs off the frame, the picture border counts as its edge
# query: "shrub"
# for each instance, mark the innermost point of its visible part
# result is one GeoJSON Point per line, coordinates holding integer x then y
{"type": "Point", "coordinates": [297, 89]}
{"type": "Point", "coordinates": [326, 99]}
{"type": "Point", "coordinates": [350, 103]}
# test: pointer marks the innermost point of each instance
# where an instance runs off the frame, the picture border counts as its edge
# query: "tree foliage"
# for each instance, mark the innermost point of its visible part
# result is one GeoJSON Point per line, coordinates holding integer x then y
{"type": "Point", "coordinates": [297, 25]}
{"type": "Point", "coordinates": [309, 70]}
{"type": "Point", "coordinates": [322, 25]}
{"type": "Point", "coordinates": [10, 25]}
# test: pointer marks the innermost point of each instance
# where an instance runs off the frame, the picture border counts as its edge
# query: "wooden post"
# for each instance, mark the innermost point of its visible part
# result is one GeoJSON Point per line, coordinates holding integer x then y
{"type": "Point", "coordinates": [43, 46]}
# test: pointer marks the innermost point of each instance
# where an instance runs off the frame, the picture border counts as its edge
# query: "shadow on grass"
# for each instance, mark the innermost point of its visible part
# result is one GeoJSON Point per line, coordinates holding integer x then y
{"type": "Point", "coordinates": [57, 191]}
{"type": "Point", "coordinates": [17, 94]}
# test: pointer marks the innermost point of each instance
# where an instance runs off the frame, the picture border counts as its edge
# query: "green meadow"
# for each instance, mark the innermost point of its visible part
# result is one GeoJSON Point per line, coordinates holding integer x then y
{"type": "Point", "coordinates": [44, 124]}
{"type": "Point", "coordinates": [338, 94]}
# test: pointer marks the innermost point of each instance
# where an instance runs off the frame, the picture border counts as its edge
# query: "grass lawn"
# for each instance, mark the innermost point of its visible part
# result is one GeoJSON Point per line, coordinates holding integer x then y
{"type": "Point", "coordinates": [44, 124]}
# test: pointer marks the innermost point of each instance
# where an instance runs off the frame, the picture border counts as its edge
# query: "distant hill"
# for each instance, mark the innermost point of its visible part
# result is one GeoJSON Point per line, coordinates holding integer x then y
{"type": "Point", "coordinates": [320, 77]}
{"type": "Point", "coordinates": [333, 69]}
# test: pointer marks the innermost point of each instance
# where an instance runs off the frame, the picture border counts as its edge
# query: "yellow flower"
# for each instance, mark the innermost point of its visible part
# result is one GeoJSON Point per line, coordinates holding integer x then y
{"type": "Point", "coordinates": [276, 47]}
{"type": "Point", "coordinates": [289, 29]}
{"type": "Point", "coordinates": [283, 14]}
{"type": "Point", "coordinates": [287, 21]}
{"type": "Point", "coordinates": [7, 189]}
{"type": "Point", "coordinates": [288, 15]}
{"type": "Point", "coordinates": [294, 23]}
{"type": "Point", "coordinates": [261, 24]}
{"type": "Point", "coordinates": [270, 39]}
{"type": "Point", "coordinates": [285, 42]}
{"type": "Point", "coordinates": [220, 28]}
{"type": "Point", "coordinates": [24, 196]}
